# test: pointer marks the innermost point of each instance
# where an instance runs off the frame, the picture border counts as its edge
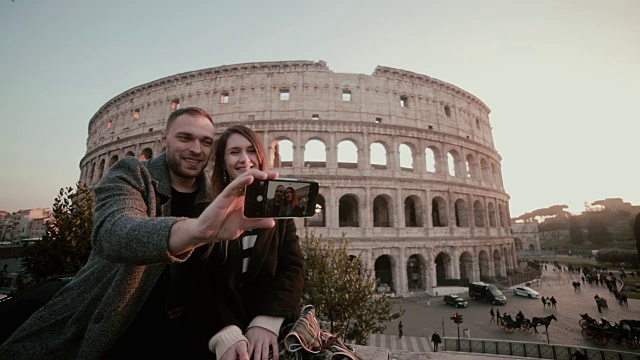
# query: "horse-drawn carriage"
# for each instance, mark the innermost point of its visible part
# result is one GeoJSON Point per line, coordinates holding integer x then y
{"type": "Point", "coordinates": [603, 332]}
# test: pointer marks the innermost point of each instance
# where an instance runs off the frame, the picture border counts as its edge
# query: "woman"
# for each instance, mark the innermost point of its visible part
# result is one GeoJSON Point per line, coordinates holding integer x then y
{"type": "Point", "coordinates": [292, 208]}
{"type": "Point", "coordinates": [240, 294]}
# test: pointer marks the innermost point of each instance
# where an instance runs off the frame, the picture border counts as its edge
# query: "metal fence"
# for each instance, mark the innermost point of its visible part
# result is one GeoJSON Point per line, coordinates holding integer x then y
{"type": "Point", "coordinates": [532, 350]}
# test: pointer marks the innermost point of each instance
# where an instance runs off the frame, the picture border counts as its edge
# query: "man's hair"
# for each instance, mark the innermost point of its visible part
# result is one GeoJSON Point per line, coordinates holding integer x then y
{"type": "Point", "coordinates": [193, 111]}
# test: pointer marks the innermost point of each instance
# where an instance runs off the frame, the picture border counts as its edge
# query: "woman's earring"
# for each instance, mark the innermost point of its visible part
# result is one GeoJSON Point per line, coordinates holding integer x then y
{"type": "Point", "coordinates": [225, 180]}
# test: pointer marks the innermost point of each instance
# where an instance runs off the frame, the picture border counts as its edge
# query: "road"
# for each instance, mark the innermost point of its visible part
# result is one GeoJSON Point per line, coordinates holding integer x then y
{"type": "Point", "coordinates": [421, 320]}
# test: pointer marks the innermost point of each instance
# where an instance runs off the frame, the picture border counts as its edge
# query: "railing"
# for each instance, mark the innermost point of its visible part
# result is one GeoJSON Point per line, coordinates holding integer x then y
{"type": "Point", "coordinates": [532, 350]}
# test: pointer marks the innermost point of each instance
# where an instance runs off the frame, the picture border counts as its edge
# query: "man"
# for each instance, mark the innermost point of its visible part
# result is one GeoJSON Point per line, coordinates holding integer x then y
{"type": "Point", "coordinates": [400, 330]}
{"type": "Point", "coordinates": [116, 306]}
{"type": "Point", "coordinates": [493, 315]}
{"type": "Point", "coordinates": [275, 206]}
{"type": "Point", "coordinates": [435, 339]}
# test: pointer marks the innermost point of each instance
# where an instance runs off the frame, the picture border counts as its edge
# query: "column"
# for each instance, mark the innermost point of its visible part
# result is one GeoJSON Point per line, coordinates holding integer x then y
{"type": "Point", "coordinates": [456, 263]}
{"type": "Point", "coordinates": [402, 274]}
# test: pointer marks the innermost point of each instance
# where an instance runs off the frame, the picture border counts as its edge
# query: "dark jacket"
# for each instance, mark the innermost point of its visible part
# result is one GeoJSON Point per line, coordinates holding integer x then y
{"type": "Point", "coordinates": [216, 294]}
{"type": "Point", "coordinates": [87, 316]}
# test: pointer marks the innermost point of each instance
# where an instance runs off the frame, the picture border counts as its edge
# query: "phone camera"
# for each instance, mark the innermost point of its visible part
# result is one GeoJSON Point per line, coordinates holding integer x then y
{"type": "Point", "coordinates": [259, 198]}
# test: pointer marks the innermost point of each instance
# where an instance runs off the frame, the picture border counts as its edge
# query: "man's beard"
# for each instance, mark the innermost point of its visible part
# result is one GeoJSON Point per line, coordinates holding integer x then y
{"type": "Point", "coordinates": [175, 166]}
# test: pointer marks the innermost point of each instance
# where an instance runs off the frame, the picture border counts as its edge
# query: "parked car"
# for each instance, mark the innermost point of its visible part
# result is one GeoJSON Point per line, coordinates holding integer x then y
{"type": "Point", "coordinates": [455, 300]}
{"type": "Point", "coordinates": [486, 292]}
{"type": "Point", "coordinates": [526, 292]}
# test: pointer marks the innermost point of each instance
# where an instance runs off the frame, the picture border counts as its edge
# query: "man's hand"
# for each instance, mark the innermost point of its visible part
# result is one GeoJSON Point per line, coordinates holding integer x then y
{"type": "Point", "coordinates": [237, 352]}
{"type": "Point", "coordinates": [260, 339]}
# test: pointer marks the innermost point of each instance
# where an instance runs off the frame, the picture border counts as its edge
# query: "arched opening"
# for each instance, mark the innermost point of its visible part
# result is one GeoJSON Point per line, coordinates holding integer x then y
{"type": "Point", "coordinates": [381, 212]}
{"type": "Point", "coordinates": [472, 167]}
{"type": "Point", "coordinates": [347, 155]}
{"type": "Point", "coordinates": [478, 214]}
{"type": "Point", "coordinates": [113, 160]}
{"type": "Point", "coordinates": [100, 170]}
{"type": "Point", "coordinates": [384, 276]}
{"type": "Point", "coordinates": [497, 264]}
{"type": "Point", "coordinates": [348, 211]}
{"type": "Point", "coordinates": [492, 215]}
{"type": "Point", "coordinates": [430, 159]}
{"type": "Point", "coordinates": [315, 154]}
{"type": "Point", "coordinates": [518, 243]}
{"type": "Point", "coordinates": [406, 157]}
{"type": "Point", "coordinates": [412, 211]}
{"type": "Point", "coordinates": [416, 273]}
{"type": "Point", "coordinates": [462, 213]}
{"type": "Point", "coordinates": [439, 212]}
{"type": "Point", "coordinates": [466, 266]}
{"type": "Point", "coordinates": [486, 171]}
{"type": "Point", "coordinates": [282, 153]}
{"type": "Point", "coordinates": [494, 175]}
{"type": "Point", "coordinates": [453, 162]}
{"type": "Point", "coordinates": [92, 171]}
{"type": "Point", "coordinates": [318, 218]}
{"type": "Point", "coordinates": [129, 154]}
{"type": "Point", "coordinates": [378, 156]}
{"type": "Point", "coordinates": [531, 247]}
{"type": "Point", "coordinates": [483, 259]}
{"type": "Point", "coordinates": [501, 215]}
{"type": "Point", "coordinates": [145, 154]}
{"type": "Point", "coordinates": [443, 268]}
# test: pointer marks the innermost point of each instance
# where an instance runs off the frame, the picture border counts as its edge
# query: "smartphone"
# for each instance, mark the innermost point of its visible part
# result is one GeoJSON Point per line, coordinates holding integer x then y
{"type": "Point", "coordinates": [281, 198]}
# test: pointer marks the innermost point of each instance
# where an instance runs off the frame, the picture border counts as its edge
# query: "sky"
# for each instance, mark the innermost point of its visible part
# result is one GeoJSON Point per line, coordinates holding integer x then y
{"type": "Point", "coordinates": [562, 78]}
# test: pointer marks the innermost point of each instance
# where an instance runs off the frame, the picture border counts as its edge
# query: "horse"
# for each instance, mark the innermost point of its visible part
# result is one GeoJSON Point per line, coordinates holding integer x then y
{"type": "Point", "coordinates": [542, 321]}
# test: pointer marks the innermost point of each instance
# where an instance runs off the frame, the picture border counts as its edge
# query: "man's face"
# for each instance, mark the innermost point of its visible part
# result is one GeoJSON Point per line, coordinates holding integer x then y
{"type": "Point", "coordinates": [279, 193]}
{"type": "Point", "coordinates": [189, 143]}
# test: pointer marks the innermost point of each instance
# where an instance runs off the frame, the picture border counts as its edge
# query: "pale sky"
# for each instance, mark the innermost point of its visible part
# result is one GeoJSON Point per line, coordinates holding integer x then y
{"type": "Point", "coordinates": [562, 78]}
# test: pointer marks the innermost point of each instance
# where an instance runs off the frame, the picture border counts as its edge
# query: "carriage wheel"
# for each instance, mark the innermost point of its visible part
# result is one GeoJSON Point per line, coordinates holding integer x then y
{"type": "Point", "coordinates": [600, 340]}
{"type": "Point", "coordinates": [630, 343]}
{"type": "Point", "coordinates": [582, 323]}
{"type": "Point", "coordinates": [508, 329]}
{"type": "Point", "coordinates": [587, 334]}
{"type": "Point", "coordinates": [528, 329]}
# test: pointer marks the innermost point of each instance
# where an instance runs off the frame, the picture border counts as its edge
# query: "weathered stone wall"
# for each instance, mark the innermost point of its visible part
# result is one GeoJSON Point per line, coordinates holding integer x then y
{"type": "Point", "coordinates": [432, 223]}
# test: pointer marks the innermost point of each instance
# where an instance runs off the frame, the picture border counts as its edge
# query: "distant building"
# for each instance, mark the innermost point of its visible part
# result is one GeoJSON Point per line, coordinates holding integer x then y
{"type": "Point", "coordinates": [616, 204]}
{"type": "Point", "coordinates": [526, 236]}
{"type": "Point", "coordinates": [24, 224]}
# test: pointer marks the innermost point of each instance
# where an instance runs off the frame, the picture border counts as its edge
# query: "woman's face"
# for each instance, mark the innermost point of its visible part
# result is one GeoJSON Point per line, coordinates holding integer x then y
{"type": "Point", "coordinates": [239, 156]}
{"type": "Point", "coordinates": [288, 194]}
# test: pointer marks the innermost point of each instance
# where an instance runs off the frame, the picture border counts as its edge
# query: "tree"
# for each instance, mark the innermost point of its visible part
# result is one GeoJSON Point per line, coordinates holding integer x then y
{"type": "Point", "coordinates": [343, 291]}
{"type": "Point", "coordinates": [575, 231]}
{"type": "Point", "coordinates": [598, 233]}
{"type": "Point", "coordinates": [636, 232]}
{"type": "Point", "coordinates": [66, 244]}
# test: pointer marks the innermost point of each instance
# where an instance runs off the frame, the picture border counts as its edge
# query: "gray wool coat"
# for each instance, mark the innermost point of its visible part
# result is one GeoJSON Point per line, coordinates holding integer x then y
{"type": "Point", "coordinates": [131, 228]}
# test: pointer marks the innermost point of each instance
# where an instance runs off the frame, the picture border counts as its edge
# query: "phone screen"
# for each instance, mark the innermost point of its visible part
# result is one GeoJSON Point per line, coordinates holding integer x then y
{"type": "Point", "coordinates": [281, 198]}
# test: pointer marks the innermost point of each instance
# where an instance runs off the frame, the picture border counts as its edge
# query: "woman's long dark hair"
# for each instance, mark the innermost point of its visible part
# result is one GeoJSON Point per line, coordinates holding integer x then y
{"type": "Point", "coordinates": [218, 177]}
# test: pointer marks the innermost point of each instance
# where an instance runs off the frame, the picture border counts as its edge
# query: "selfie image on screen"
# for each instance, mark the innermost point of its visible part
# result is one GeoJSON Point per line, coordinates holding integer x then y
{"type": "Point", "coordinates": [286, 198]}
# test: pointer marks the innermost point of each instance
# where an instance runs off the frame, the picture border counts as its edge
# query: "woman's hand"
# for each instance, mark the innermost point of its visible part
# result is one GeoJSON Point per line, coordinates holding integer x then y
{"type": "Point", "coordinates": [260, 339]}
{"type": "Point", "coordinates": [237, 352]}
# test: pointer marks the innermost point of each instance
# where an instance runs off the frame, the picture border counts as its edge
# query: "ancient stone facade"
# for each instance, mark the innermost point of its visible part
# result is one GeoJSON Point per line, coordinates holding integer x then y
{"type": "Point", "coordinates": [526, 236]}
{"type": "Point", "coordinates": [406, 163]}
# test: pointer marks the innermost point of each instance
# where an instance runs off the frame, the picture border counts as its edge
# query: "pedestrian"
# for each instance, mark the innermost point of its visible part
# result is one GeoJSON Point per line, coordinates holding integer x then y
{"type": "Point", "coordinates": [493, 317]}
{"type": "Point", "coordinates": [147, 214]}
{"type": "Point", "coordinates": [553, 302]}
{"type": "Point", "coordinates": [498, 318]}
{"type": "Point", "coordinates": [400, 329]}
{"type": "Point", "coordinates": [544, 302]}
{"type": "Point", "coordinates": [597, 298]}
{"type": "Point", "coordinates": [435, 339]}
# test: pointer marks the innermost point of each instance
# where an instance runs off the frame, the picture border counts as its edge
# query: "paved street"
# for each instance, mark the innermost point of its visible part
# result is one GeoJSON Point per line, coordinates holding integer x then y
{"type": "Point", "coordinates": [420, 320]}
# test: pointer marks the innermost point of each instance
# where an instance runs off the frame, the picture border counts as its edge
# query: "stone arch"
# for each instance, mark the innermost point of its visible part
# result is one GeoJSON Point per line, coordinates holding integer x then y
{"type": "Point", "coordinates": [478, 214]}
{"type": "Point", "coordinates": [497, 263]}
{"type": "Point", "coordinates": [462, 213]}
{"type": "Point", "coordinates": [494, 175]}
{"type": "Point", "coordinates": [416, 273]}
{"type": "Point", "coordinates": [348, 211]}
{"type": "Point", "coordinates": [453, 163]}
{"type": "Point", "coordinates": [472, 167]}
{"type": "Point", "coordinates": [315, 153]}
{"type": "Point", "coordinates": [378, 155]}
{"type": "Point", "coordinates": [443, 268]}
{"type": "Point", "coordinates": [483, 264]}
{"type": "Point", "coordinates": [100, 170]}
{"type": "Point", "coordinates": [384, 271]}
{"type": "Point", "coordinates": [439, 212]}
{"type": "Point", "coordinates": [501, 215]}
{"type": "Point", "coordinates": [92, 171]}
{"type": "Point", "coordinates": [412, 211]}
{"type": "Point", "coordinates": [130, 154]}
{"type": "Point", "coordinates": [382, 211]}
{"type": "Point", "coordinates": [347, 154]}
{"type": "Point", "coordinates": [485, 170]}
{"type": "Point", "coordinates": [492, 215]}
{"type": "Point", "coordinates": [320, 216]}
{"type": "Point", "coordinates": [407, 156]}
{"type": "Point", "coordinates": [281, 153]}
{"type": "Point", "coordinates": [145, 154]}
{"type": "Point", "coordinates": [532, 247]}
{"type": "Point", "coordinates": [466, 266]}
{"type": "Point", "coordinates": [113, 160]}
{"type": "Point", "coordinates": [431, 159]}
{"type": "Point", "coordinates": [519, 244]}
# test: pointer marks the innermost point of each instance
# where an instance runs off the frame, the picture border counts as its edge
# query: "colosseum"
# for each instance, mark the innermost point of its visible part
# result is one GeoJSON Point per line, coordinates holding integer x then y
{"type": "Point", "coordinates": [406, 163]}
